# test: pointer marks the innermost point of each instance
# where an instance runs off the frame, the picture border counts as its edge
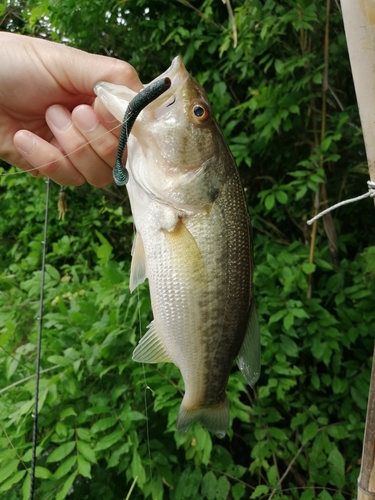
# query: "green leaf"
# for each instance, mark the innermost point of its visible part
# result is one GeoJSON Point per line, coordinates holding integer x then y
{"type": "Point", "coordinates": [12, 480]}
{"type": "Point", "coordinates": [59, 360]}
{"type": "Point", "coordinates": [308, 494]}
{"type": "Point", "coordinates": [282, 197]}
{"type": "Point", "coordinates": [269, 202]}
{"type": "Point", "coordinates": [83, 434]}
{"type": "Point", "coordinates": [67, 485]}
{"type": "Point", "coordinates": [26, 488]}
{"type": "Point", "coordinates": [104, 251]}
{"type": "Point", "coordinates": [61, 452]}
{"type": "Point", "coordinates": [103, 424]}
{"type": "Point", "coordinates": [288, 321]}
{"type": "Point", "coordinates": [65, 467]}
{"type": "Point", "coordinates": [324, 495]}
{"type": "Point", "coordinates": [279, 66]}
{"type": "Point", "coordinates": [259, 491]}
{"type": "Point", "coordinates": [84, 468]}
{"type": "Point", "coordinates": [222, 488]}
{"type": "Point", "coordinates": [326, 142]}
{"type": "Point", "coordinates": [8, 469]}
{"type": "Point", "coordinates": [308, 268]}
{"type": "Point", "coordinates": [110, 440]}
{"type": "Point", "coordinates": [42, 472]}
{"type": "Point", "coordinates": [289, 346]}
{"type": "Point", "coordinates": [208, 485]}
{"type": "Point", "coordinates": [336, 468]}
{"type": "Point", "coordinates": [277, 316]}
{"type": "Point", "coordinates": [138, 469]}
{"type": "Point", "coordinates": [86, 450]}
{"type": "Point", "coordinates": [299, 419]}
{"type": "Point", "coordinates": [358, 398]}
{"type": "Point", "coordinates": [238, 491]}
{"type": "Point", "coordinates": [309, 432]}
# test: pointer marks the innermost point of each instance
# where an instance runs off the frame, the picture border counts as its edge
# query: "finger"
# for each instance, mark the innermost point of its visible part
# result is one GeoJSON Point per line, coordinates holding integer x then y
{"type": "Point", "coordinates": [25, 143]}
{"type": "Point", "coordinates": [107, 118]}
{"type": "Point", "coordinates": [47, 159]}
{"type": "Point", "coordinates": [103, 141]}
{"type": "Point", "coordinates": [89, 69]}
{"type": "Point", "coordinates": [80, 152]}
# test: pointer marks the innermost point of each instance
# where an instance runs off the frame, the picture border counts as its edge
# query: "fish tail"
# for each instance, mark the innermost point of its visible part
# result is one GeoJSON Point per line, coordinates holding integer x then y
{"type": "Point", "coordinates": [214, 418]}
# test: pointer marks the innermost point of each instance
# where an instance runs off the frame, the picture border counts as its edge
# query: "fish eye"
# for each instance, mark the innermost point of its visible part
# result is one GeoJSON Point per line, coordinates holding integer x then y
{"type": "Point", "coordinates": [201, 112]}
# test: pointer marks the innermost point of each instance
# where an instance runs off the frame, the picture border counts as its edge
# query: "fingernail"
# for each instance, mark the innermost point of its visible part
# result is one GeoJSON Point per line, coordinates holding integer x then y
{"type": "Point", "coordinates": [59, 117]}
{"type": "Point", "coordinates": [25, 142]}
{"type": "Point", "coordinates": [85, 118]}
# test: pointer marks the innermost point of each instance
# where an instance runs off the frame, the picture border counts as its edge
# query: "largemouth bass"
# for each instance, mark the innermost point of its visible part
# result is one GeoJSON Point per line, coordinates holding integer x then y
{"type": "Point", "coordinates": [193, 243]}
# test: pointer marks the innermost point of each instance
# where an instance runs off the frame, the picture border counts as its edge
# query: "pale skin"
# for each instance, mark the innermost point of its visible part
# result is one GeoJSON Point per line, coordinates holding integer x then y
{"type": "Point", "coordinates": [48, 110]}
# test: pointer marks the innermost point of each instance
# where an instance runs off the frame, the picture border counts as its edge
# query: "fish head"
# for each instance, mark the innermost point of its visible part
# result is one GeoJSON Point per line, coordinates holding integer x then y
{"type": "Point", "coordinates": [175, 149]}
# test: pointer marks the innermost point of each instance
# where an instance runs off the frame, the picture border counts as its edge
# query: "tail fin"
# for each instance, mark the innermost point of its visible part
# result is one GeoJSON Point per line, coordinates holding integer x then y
{"type": "Point", "coordinates": [214, 418]}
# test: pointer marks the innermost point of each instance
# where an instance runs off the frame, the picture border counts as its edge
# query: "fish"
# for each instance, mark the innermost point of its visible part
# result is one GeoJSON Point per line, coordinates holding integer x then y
{"type": "Point", "coordinates": [193, 243]}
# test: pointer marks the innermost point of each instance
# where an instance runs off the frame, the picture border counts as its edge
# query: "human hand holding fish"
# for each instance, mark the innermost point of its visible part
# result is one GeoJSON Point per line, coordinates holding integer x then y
{"type": "Point", "coordinates": [193, 239]}
{"type": "Point", "coordinates": [50, 122]}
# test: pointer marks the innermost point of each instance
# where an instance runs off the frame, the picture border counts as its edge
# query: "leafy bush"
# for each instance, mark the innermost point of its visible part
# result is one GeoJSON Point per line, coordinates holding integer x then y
{"type": "Point", "coordinates": [105, 420]}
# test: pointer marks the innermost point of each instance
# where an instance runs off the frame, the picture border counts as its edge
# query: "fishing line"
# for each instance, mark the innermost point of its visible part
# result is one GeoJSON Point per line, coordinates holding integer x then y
{"type": "Point", "coordinates": [147, 387]}
{"type": "Point", "coordinates": [121, 177]}
{"type": "Point", "coordinates": [38, 350]}
{"type": "Point", "coordinates": [120, 174]}
{"type": "Point", "coordinates": [62, 157]}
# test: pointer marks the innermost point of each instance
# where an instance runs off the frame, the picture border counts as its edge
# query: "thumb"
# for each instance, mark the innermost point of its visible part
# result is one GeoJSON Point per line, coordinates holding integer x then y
{"type": "Point", "coordinates": [83, 71]}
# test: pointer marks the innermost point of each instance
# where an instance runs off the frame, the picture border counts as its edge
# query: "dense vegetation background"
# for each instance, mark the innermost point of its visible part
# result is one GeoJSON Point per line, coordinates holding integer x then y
{"type": "Point", "coordinates": [284, 97]}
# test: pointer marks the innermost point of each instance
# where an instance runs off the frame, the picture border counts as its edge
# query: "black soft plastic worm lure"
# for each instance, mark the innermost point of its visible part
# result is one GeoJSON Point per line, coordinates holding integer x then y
{"type": "Point", "coordinates": [139, 102]}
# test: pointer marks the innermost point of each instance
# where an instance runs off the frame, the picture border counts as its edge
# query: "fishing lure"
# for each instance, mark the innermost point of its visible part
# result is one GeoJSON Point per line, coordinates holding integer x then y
{"type": "Point", "coordinates": [136, 105]}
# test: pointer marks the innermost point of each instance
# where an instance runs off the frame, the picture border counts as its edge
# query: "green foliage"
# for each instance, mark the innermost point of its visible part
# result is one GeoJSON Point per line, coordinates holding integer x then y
{"type": "Point", "coordinates": [105, 420]}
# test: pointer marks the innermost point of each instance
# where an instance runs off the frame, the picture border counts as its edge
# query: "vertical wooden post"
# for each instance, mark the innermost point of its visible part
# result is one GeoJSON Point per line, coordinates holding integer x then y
{"type": "Point", "coordinates": [359, 22]}
{"type": "Point", "coordinates": [366, 480]}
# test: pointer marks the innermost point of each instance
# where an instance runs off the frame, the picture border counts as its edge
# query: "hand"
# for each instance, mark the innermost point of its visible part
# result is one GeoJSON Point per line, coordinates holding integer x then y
{"type": "Point", "coordinates": [48, 110]}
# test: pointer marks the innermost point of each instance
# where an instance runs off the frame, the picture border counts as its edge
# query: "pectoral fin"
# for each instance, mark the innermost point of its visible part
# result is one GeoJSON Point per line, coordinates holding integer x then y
{"type": "Point", "coordinates": [138, 265]}
{"type": "Point", "coordinates": [248, 359]}
{"type": "Point", "coordinates": [185, 256]}
{"type": "Point", "coordinates": [150, 348]}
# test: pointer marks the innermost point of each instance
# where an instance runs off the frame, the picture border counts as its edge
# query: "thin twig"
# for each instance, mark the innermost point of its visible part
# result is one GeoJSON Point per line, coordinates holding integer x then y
{"type": "Point", "coordinates": [11, 444]}
{"type": "Point", "coordinates": [287, 471]}
{"type": "Point", "coordinates": [131, 488]}
{"type": "Point", "coordinates": [27, 378]}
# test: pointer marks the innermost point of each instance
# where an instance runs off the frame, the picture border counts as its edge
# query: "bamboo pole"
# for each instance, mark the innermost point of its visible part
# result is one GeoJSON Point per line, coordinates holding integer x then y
{"type": "Point", "coordinates": [366, 480]}
{"type": "Point", "coordinates": [359, 23]}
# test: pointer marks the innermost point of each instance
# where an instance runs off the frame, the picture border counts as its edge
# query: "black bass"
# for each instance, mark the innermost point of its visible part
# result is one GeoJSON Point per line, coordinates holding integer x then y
{"type": "Point", "coordinates": [193, 243]}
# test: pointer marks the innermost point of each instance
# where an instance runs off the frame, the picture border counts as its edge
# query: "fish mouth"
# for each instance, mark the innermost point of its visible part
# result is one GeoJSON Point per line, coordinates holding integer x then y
{"type": "Point", "coordinates": [176, 72]}
{"type": "Point", "coordinates": [178, 75]}
{"type": "Point", "coordinates": [116, 98]}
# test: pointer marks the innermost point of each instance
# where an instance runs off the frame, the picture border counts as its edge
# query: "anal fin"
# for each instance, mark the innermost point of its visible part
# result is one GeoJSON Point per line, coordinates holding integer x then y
{"type": "Point", "coordinates": [249, 356]}
{"type": "Point", "coordinates": [150, 348]}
